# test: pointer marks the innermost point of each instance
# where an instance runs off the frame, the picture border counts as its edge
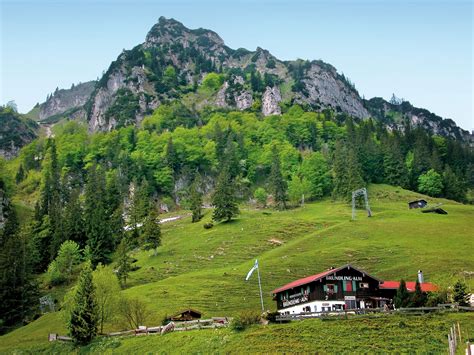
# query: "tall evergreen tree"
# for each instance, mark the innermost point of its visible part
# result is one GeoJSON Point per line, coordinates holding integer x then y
{"type": "Point", "coordinates": [419, 298]}
{"type": "Point", "coordinates": [18, 288]}
{"type": "Point", "coordinates": [454, 187]}
{"type": "Point", "coordinates": [83, 320]}
{"type": "Point", "coordinates": [98, 231]}
{"type": "Point", "coordinates": [224, 199]}
{"type": "Point", "coordinates": [151, 233]}
{"type": "Point", "coordinates": [395, 171]}
{"type": "Point", "coordinates": [346, 172]}
{"type": "Point", "coordinates": [171, 157]}
{"type": "Point", "coordinates": [73, 224]}
{"type": "Point", "coordinates": [20, 175]}
{"type": "Point", "coordinates": [124, 262]}
{"type": "Point", "coordinates": [278, 185]}
{"type": "Point", "coordinates": [402, 297]}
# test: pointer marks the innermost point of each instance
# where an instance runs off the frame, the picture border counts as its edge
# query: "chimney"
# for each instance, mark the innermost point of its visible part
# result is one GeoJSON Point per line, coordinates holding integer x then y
{"type": "Point", "coordinates": [420, 277]}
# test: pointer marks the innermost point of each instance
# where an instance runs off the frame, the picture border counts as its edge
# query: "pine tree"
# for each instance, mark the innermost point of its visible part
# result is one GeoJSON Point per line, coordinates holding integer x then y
{"type": "Point", "coordinates": [171, 157]}
{"type": "Point", "coordinates": [402, 297]}
{"type": "Point", "coordinates": [460, 295]}
{"type": "Point", "coordinates": [346, 172]}
{"type": "Point", "coordinates": [151, 234]}
{"type": "Point", "coordinates": [395, 171]}
{"type": "Point", "coordinates": [73, 224]}
{"type": "Point", "coordinates": [454, 187]}
{"type": "Point", "coordinates": [196, 200]}
{"type": "Point", "coordinates": [224, 200]}
{"type": "Point", "coordinates": [20, 175]}
{"type": "Point", "coordinates": [96, 219]}
{"type": "Point", "coordinates": [419, 298]}
{"type": "Point", "coordinates": [124, 262]}
{"type": "Point", "coordinates": [18, 288]}
{"type": "Point", "coordinates": [278, 185]}
{"type": "Point", "coordinates": [82, 323]}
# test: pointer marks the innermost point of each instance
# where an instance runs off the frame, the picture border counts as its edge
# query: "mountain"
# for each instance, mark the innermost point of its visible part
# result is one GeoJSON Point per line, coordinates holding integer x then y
{"type": "Point", "coordinates": [63, 102]}
{"type": "Point", "coordinates": [174, 60]}
{"type": "Point", "coordinates": [15, 132]}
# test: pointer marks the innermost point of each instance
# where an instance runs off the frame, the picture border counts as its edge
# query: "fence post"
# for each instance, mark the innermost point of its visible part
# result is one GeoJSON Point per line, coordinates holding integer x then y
{"type": "Point", "coordinates": [459, 331]}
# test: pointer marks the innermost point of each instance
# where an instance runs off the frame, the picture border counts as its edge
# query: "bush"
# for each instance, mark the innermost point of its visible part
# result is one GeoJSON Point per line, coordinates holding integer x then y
{"type": "Point", "coordinates": [208, 225]}
{"type": "Point", "coordinates": [271, 316]}
{"type": "Point", "coordinates": [244, 319]}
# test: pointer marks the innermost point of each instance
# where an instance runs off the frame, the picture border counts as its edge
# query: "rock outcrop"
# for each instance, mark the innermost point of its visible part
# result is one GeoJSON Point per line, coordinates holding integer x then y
{"type": "Point", "coordinates": [15, 132]}
{"type": "Point", "coordinates": [66, 101]}
{"type": "Point", "coordinates": [270, 101]}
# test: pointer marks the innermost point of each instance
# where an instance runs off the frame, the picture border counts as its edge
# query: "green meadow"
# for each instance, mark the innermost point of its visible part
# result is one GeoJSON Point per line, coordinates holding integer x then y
{"type": "Point", "coordinates": [205, 269]}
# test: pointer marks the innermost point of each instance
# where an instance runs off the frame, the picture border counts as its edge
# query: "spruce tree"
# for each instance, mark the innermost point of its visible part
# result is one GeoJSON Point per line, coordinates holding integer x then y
{"type": "Point", "coordinates": [278, 185]}
{"type": "Point", "coordinates": [196, 200]}
{"type": "Point", "coordinates": [224, 200]}
{"type": "Point", "coordinates": [171, 157]}
{"type": "Point", "coordinates": [347, 175]}
{"type": "Point", "coordinates": [20, 175]}
{"type": "Point", "coordinates": [124, 262]}
{"type": "Point", "coordinates": [419, 298]}
{"type": "Point", "coordinates": [151, 234]}
{"type": "Point", "coordinates": [18, 287]}
{"type": "Point", "coordinates": [96, 219]}
{"type": "Point", "coordinates": [83, 323]}
{"type": "Point", "coordinates": [402, 297]}
{"type": "Point", "coordinates": [73, 224]}
{"type": "Point", "coordinates": [460, 295]}
{"type": "Point", "coordinates": [395, 171]}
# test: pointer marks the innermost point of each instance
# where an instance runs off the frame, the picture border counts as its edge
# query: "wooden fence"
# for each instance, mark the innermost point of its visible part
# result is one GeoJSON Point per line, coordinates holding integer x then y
{"type": "Point", "coordinates": [370, 311]}
{"type": "Point", "coordinates": [212, 323]}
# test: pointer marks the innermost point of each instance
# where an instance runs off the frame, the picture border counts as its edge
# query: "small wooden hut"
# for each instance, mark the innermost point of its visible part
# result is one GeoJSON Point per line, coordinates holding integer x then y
{"type": "Point", "coordinates": [417, 204]}
{"type": "Point", "coordinates": [186, 315]}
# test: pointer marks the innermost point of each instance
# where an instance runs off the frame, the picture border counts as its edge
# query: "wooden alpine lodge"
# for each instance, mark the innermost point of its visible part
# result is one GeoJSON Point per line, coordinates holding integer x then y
{"type": "Point", "coordinates": [337, 289]}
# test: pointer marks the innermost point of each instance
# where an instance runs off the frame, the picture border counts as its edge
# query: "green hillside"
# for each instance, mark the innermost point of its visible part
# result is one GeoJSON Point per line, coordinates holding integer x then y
{"type": "Point", "coordinates": [205, 269]}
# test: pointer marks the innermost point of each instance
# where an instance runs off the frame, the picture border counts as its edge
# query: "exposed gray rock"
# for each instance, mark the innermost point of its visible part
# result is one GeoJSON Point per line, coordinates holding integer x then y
{"type": "Point", "coordinates": [221, 94]}
{"type": "Point", "coordinates": [65, 100]}
{"type": "Point", "coordinates": [324, 88]}
{"type": "Point", "coordinates": [244, 100]}
{"type": "Point", "coordinates": [270, 101]}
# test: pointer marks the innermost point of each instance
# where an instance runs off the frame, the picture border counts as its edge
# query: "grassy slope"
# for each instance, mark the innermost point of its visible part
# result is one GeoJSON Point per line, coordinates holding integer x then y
{"type": "Point", "coordinates": [204, 269]}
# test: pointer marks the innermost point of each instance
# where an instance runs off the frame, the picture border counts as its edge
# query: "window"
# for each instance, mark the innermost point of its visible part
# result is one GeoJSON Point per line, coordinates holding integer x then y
{"type": "Point", "coordinates": [330, 288]}
{"type": "Point", "coordinates": [364, 285]}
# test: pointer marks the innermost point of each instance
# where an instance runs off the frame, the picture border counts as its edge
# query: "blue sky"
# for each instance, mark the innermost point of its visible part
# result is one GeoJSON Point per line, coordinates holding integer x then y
{"type": "Point", "coordinates": [420, 50]}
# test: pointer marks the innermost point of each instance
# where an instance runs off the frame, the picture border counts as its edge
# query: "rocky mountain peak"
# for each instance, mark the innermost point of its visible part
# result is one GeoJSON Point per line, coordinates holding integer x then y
{"type": "Point", "coordinates": [172, 31]}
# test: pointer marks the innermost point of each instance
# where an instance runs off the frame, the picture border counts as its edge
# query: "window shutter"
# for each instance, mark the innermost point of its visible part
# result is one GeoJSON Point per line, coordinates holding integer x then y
{"type": "Point", "coordinates": [325, 288]}
{"type": "Point", "coordinates": [354, 286]}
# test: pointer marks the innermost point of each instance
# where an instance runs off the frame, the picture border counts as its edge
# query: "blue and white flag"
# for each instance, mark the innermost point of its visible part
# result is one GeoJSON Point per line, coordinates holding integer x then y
{"type": "Point", "coordinates": [255, 267]}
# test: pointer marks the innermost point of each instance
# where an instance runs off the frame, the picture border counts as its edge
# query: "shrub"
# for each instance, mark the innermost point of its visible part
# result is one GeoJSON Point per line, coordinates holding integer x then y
{"type": "Point", "coordinates": [208, 225]}
{"type": "Point", "coordinates": [244, 319]}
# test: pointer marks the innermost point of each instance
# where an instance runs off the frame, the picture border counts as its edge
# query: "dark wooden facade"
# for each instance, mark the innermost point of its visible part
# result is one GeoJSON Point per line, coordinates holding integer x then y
{"type": "Point", "coordinates": [345, 284]}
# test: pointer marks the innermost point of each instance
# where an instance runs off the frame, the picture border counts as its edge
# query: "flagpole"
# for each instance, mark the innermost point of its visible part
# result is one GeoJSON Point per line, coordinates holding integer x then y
{"type": "Point", "coordinates": [260, 287]}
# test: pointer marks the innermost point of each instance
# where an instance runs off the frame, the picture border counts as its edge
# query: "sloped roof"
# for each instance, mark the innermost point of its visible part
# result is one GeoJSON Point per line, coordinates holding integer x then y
{"type": "Point", "coordinates": [184, 311]}
{"type": "Point", "coordinates": [316, 277]}
{"type": "Point", "coordinates": [393, 285]}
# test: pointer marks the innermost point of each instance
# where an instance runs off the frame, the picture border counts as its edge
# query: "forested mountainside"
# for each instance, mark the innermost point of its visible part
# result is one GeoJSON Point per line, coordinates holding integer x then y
{"type": "Point", "coordinates": [174, 60]}
{"type": "Point", "coordinates": [15, 132]}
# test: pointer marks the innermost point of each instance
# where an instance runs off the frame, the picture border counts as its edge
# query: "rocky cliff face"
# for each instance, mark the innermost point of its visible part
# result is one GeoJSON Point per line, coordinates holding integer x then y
{"type": "Point", "coordinates": [66, 101]}
{"type": "Point", "coordinates": [396, 115]}
{"type": "Point", "coordinates": [15, 132]}
{"type": "Point", "coordinates": [172, 62]}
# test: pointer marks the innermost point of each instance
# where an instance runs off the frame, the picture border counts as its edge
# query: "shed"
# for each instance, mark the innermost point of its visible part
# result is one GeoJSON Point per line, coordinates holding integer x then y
{"type": "Point", "coordinates": [186, 315]}
{"type": "Point", "coordinates": [417, 204]}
